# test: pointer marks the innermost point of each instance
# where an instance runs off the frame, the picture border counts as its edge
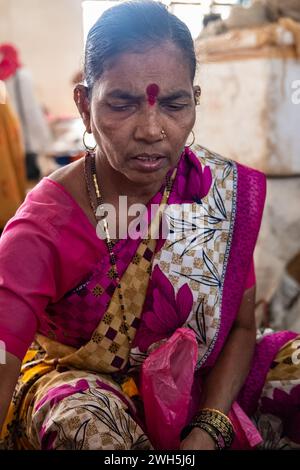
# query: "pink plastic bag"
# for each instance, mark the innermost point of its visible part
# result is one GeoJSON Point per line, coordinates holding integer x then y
{"type": "Point", "coordinates": [247, 436]}
{"type": "Point", "coordinates": [167, 378]}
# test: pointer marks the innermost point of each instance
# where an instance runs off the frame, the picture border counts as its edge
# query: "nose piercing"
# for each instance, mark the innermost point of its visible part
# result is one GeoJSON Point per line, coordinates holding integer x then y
{"type": "Point", "coordinates": [164, 135]}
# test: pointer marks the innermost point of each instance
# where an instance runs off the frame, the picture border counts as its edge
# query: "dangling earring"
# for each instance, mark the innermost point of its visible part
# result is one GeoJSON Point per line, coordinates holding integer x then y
{"type": "Point", "coordinates": [193, 139]}
{"type": "Point", "coordinates": [89, 149]}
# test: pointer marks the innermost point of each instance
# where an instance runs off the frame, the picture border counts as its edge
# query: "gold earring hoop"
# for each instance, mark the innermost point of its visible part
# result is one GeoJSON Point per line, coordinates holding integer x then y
{"type": "Point", "coordinates": [163, 134]}
{"type": "Point", "coordinates": [87, 147]}
{"type": "Point", "coordinates": [189, 145]}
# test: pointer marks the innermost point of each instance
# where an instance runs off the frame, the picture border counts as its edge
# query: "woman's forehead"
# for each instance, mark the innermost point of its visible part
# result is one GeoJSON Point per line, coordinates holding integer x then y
{"type": "Point", "coordinates": [165, 67]}
{"type": "Point", "coordinates": [134, 73]}
{"type": "Point", "coordinates": [139, 89]}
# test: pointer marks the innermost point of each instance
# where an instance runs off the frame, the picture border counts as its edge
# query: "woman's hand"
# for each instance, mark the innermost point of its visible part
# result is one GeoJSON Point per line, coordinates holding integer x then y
{"type": "Point", "coordinates": [198, 439]}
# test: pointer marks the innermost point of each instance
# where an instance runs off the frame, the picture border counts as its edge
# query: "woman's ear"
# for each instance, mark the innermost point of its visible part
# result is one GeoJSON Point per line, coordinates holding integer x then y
{"type": "Point", "coordinates": [197, 94]}
{"type": "Point", "coordinates": [82, 102]}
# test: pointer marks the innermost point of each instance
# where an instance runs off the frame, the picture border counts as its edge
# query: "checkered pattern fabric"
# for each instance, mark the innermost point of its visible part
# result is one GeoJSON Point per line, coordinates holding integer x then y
{"type": "Point", "coordinates": [196, 252]}
{"type": "Point", "coordinates": [108, 349]}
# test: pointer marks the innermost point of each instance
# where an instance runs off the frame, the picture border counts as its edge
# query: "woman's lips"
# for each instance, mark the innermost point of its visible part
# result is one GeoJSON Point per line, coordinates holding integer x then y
{"type": "Point", "coordinates": [148, 162]}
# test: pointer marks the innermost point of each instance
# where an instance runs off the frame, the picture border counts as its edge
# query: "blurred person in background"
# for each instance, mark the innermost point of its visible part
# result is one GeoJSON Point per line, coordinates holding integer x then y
{"type": "Point", "coordinates": [12, 156]}
{"type": "Point", "coordinates": [36, 132]}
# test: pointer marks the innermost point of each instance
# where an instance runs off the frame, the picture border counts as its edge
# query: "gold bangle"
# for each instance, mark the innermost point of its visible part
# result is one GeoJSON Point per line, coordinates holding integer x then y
{"type": "Point", "coordinates": [226, 433]}
{"type": "Point", "coordinates": [211, 412]}
{"type": "Point", "coordinates": [217, 420]}
{"type": "Point", "coordinates": [216, 411]}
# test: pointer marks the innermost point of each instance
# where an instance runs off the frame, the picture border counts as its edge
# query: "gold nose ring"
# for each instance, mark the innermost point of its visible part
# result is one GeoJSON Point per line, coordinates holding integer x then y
{"type": "Point", "coordinates": [164, 135]}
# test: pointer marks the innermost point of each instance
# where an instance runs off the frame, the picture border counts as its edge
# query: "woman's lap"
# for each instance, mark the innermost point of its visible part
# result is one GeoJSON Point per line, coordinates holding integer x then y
{"type": "Point", "coordinates": [73, 410]}
{"type": "Point", "coordinates": [76, 409]}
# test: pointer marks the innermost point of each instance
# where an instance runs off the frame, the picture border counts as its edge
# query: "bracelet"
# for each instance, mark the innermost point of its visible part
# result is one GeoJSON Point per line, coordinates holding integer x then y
{"type": "Point", "coordinates": [213, 410]}
{"type": "Point", "coordinates": [206, 427]}
{"type": "Point", "coordinates": [227, 434]}
{"type": "Point", "coordinates": [219, 442]}
{"type": "Point", "coordinates": [212, 415]}
{"type": "Point", "coordinates": [216, 423]}
{"type": "Point", "coordinates": [219, 421]}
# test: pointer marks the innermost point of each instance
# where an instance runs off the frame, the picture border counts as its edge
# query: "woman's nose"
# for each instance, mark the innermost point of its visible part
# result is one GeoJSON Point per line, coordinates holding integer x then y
{"type": "Point", "coordinates": [149, 125]}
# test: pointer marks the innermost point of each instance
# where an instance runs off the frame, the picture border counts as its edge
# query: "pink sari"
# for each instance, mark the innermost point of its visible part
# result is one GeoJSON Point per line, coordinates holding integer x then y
{"type": "Point", "coordinates": [191, 285]}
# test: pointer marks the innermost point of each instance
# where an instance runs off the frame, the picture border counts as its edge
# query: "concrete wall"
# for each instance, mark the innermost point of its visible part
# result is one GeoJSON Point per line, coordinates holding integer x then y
{"type": "Point", "coordinates": [49, 36]}
{"type": "Point", "coordinates": [247, 113]}
{"type": "Point", "coordinates": [279, 238]}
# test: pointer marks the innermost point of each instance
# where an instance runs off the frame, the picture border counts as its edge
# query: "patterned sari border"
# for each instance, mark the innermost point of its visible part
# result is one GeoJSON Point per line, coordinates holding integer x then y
{"type": "Point", "coordinates": [211, 347]}
{"type": "Point", "coordinates": [248, 206]}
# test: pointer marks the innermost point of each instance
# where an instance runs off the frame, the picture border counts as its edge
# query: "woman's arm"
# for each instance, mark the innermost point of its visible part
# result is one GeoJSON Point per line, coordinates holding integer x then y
{"type": "Point", "coordinates": [9, 373]}
{"type": "Point", "coordinates": [230, 371]}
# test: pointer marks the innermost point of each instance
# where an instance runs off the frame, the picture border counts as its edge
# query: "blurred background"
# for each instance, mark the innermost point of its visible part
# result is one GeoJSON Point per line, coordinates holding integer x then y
{"type": "Point", "coordinates": [249, 69]}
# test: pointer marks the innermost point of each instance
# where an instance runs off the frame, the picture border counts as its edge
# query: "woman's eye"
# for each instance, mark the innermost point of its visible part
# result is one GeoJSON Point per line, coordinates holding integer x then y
{"type": "Point", "coordinates": [122, 107]}
{"type": "Point", "coordinates": [174, 106]}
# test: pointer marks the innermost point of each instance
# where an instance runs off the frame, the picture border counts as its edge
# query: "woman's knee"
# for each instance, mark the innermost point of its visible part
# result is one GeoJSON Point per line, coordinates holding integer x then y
{"type": "Point", "coordinates": [86, 421]}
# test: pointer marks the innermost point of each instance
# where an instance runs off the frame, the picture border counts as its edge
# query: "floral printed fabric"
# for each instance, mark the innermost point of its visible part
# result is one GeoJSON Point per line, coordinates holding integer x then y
{"type": "Point", "coordinates": [74, 410]}
{"type": "Point", "coordinates": [278, 415]}
{"type": "Point", "coordinates": [194, 258]}
{"type": "Point", "coordinates": [81, 410]}
{"type": "Point", "coordinates": [168, 313]}
{"type": "Point", "coordinates": [82, 414]}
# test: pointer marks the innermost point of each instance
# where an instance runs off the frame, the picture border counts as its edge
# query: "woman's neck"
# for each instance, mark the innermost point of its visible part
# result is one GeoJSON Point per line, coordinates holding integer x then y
{"type": "Point", "coordinates": [114, 184]}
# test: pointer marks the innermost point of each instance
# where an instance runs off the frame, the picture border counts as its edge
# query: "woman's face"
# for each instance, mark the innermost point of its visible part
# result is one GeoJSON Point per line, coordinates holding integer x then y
{"type": "Point", "coordinates": [138, 96]}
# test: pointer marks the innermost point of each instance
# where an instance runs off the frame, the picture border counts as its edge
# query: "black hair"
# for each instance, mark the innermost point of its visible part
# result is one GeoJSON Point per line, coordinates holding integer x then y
{"type": "Point", "coordinates": [133, 26]}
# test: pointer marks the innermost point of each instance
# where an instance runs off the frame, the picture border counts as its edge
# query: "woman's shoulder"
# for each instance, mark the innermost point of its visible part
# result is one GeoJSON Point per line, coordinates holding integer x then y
{"type": "Point", "coordinates": [57, 196]}
{"type": "Point", "coordinates": [71, 180]}
{"type": "Point", "coordinates": [69, 177]}
{"type": "Point", "coordinates": [50, 223]}
{"type": "Point", "coordinates": [53, 207]}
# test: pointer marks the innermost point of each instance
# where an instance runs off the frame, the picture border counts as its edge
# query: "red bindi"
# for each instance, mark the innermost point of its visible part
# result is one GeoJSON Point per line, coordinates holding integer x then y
{"type": "Point", "coordinates": [152, 92]}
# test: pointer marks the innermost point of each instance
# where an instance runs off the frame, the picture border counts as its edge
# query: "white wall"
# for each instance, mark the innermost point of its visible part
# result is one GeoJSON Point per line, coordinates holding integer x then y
{"type": "Point", "coordinates": [247, 113]}
{"type": "Point", "coordinates": [49, 36]}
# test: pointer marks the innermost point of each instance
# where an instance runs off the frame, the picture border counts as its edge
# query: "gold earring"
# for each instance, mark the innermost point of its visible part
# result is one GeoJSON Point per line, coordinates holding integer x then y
{"type": "Point", "coordinates": [89, 149]}
{"type": "Point", "coordinates": [193, 139]}
{"type": "Point", "coordinates": [164, 135]}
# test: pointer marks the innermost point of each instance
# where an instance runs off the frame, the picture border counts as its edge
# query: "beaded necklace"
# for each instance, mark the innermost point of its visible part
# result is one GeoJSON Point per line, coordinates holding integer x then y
{"type": "Point", "coordinates": [92, 181]}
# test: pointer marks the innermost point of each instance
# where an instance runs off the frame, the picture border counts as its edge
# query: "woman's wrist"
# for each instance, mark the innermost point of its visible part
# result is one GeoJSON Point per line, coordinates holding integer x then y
{"type": "Point", "coordinates": [197, 432]}
{"type": "Point", "coordinates": [201, 435]}
{"type": "Point", "coordinates": [215, 423]}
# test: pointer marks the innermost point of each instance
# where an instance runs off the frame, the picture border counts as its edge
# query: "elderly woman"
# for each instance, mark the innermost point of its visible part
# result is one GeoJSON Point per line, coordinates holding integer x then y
{"type": "Point", "coordinates": [99, 302]}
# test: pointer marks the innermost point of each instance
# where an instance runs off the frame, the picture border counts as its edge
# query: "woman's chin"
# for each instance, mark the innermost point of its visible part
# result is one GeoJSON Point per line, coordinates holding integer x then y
{"type": "Point", "coordinates": [155, 178]}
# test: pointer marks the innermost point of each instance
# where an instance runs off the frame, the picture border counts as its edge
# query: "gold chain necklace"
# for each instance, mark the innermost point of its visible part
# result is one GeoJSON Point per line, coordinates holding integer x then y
{"type": "Point", "coordinates": [91, 177]}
